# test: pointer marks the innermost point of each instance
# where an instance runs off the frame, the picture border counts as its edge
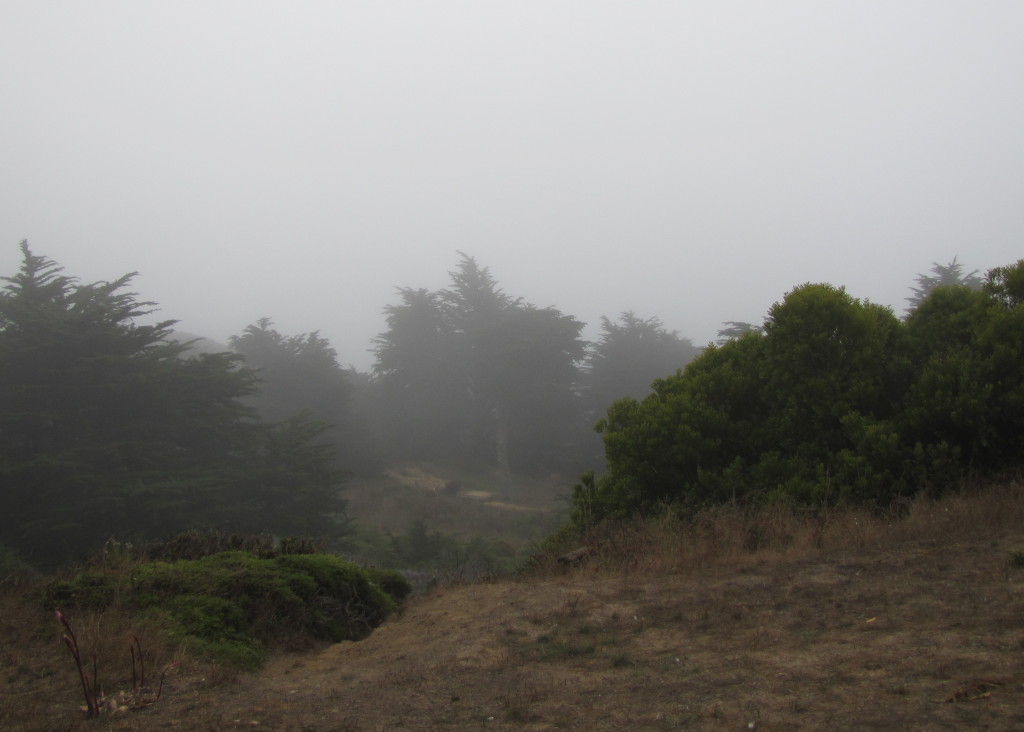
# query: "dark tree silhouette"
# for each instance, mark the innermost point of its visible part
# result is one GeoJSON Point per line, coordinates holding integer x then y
{"type": "Point", "coordinates": [108, 429]}
{"type": "Point", "coordinates": [942, 275]}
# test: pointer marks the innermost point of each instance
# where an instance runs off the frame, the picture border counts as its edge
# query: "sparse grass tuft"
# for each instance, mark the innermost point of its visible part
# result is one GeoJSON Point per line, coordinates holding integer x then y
{"type": "Point", "coordinates": [621, 660]}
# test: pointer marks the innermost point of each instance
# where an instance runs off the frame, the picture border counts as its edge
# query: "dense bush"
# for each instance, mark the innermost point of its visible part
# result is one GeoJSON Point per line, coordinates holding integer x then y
{"type": "Point", "coordinates": [836, 401]}
{"type": "Point", "coordinates": [231, 604]}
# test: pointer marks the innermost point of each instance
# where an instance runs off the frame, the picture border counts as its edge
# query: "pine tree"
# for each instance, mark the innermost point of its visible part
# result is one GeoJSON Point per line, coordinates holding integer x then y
{"type": "Point", "coordinates": [942, 275]}
{"type": "Point", "coordinates": [107, 429]}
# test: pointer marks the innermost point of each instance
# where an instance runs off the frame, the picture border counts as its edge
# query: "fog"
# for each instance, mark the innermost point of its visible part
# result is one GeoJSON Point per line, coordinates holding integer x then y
{"type": "Point", "coordinates": [691, 161]}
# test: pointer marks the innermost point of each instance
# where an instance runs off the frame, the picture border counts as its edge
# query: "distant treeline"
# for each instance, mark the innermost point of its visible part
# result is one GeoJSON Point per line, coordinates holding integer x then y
{"type": "Point", "coordinates": [466, 375]}
{"type": "Point", "coordinates": [113, 429]}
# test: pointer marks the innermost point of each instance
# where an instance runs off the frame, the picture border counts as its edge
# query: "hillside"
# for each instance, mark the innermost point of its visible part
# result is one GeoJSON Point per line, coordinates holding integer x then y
{"type": "Point", "coordinates": [859, 624]}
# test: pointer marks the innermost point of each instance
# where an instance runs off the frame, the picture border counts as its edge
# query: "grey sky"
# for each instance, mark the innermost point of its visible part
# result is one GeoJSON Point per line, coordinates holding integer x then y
{"type": "Point", "coordinates": [693, 161]}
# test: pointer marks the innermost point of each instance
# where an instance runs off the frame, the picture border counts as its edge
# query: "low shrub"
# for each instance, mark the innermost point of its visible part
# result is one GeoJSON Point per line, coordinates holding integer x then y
{"type": "Point", "coordinates": [393, 582]}
{"type": "Point", "coordinates": [231, 605]}
{"type": "Point", "coordinates": [199, 543]}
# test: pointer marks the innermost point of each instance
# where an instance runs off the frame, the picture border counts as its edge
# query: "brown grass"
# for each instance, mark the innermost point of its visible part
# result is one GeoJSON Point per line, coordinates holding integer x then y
{"type": "Point", "coordinates": [847, 622]}
{"type": "Point", "coordinates": [734, 537]}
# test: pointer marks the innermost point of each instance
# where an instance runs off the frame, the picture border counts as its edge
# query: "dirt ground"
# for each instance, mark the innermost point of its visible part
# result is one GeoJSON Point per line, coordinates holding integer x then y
{"type": "Point", "coordinates": [927, 635]}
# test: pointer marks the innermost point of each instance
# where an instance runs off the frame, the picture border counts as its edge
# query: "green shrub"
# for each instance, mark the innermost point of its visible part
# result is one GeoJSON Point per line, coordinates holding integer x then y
{"type": "Point", "coordinates": [392, 582]}
{"type": "Point", "coordinates": [198, 543]}
{"type": "Point", "coordinates": [344, 604]}
{"type": "Point", "coordinates": [214, 627]}
{"type": "Point", "coordinates": [231, 605]}
{"type": "Point", "coordinates": [89, 590]}
{"type": "Point", "coordinates": [836, 402]}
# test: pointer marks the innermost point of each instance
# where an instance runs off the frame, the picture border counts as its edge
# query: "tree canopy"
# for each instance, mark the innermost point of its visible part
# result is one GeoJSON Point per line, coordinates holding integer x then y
{"type": "Point", "coordinates": [943, 275]}
{"type": "Point", "coordinates": [109, 429]}
{"type": "Point", "coordinates": [296, 373]}
{"type": "Point", "coordinates": [630, 354]}
{"type": "Point", "coordinates": [300, 375]}
{"type": "Point", "coordinates": [736, 329]}
{"type": "Point", "coordinates": [836, 401]}
{"type": "Point", "coordinates": [471, 373]}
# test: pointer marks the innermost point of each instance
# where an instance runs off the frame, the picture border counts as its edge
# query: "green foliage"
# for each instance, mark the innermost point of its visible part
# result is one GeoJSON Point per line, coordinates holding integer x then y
{"type": "Point", "coordinates": [300, 375]}
{"type": "Point", "coordinates": [471, 374]}
{"type": "Point", "coordinates": [297, 372]}
{"type": "Point", "coordinates": [392, 582]}
{"type": "Point", "coordinates": [198, 543]}
{"type": "Point", "coordinates": [629, 356]}
{"type": "Point", "coordinates": [736, 329]}
{"type": "Point", "coordinates": [1006, 285]}
{"type": "Point", "coordinates": [836, 401]}
{"type": "Point", "coordinates": [423, 402]}
{"type": "Point", "coordinates": [89, 590]}
{"type": "Point", "coordinates": [418, 546]}
{"type": "Point", "coordinates": [231, 605]}
{"type": "Point", "coordinates": [213, 627]}
{"type": "Point", "coordinates": [93, 405]}
{"type": "Point", "coordinates": [943, 275]}
{"type": "Point", "coordinates": [108, 429]}
{"type": "Point", "coordinates": [292, 484]}
{"type": "Point", "coordinates": [967, 390]}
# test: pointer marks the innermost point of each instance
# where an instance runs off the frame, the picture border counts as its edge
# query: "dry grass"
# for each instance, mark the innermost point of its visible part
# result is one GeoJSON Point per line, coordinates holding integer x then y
{"type": "Point", "coordinates": [41, 687]}
{"type": "Point", "coordinates": [734, 537]}
{"type": "Point", "coordinates": [849, 622]}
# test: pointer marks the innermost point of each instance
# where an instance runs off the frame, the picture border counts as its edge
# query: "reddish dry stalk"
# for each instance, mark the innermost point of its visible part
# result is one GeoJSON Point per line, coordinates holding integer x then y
{"type": "Point", "coordinates": [135, 649]}
{"type": "Point", "coordinates": [160, 688]}
{"type": "Point", "coordinates": [90, 685]}
{"type": "Point", "coordinates": [92, 707]}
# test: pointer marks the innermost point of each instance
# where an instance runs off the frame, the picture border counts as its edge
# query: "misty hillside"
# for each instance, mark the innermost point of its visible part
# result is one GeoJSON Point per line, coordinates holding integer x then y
{"type": "Point", "coordinates": [806, 523]}
{"type": "Point", "coordinates": [848, 624]}
{"type": "Point", "coordinates": [127, 429]}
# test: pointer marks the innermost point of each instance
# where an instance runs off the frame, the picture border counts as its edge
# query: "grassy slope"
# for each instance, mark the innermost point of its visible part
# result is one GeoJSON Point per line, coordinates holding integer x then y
{"type": "Point", "coordinates": [854, 623]}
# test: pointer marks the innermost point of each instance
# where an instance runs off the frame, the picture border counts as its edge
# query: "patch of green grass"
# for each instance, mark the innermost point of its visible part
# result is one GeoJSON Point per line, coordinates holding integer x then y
{"type": "Point", "coordinates": [568, 649]}
{"type": "Point", "coordinates": [621, 660]}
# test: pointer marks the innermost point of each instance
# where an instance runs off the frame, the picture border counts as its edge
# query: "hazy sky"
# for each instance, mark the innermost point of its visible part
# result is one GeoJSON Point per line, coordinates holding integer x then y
{"type": "Point", "coordinates": [686, 160]}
